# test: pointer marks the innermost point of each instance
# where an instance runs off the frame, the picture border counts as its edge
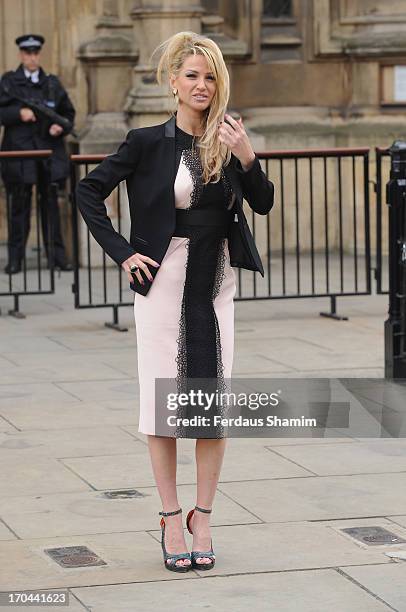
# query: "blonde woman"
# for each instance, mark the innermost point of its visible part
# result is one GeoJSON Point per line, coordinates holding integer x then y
{"type": "Point", "coordinates": [186, 180]}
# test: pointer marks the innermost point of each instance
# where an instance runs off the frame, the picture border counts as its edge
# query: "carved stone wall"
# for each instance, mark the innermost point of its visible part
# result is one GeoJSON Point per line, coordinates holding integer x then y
{"type": "Point", "coordinates": [316, 58]}
{"type": "Point", "coordinates": [304, 73]}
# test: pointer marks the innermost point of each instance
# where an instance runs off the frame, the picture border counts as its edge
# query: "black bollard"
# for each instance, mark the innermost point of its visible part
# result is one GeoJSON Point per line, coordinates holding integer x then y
{"type": "Point", "coordinates": [395, 325]}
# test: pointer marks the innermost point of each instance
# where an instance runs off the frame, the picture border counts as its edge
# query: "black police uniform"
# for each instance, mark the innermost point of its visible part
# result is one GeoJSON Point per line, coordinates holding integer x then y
{"type": "Point", "coordinates": [20, 175]}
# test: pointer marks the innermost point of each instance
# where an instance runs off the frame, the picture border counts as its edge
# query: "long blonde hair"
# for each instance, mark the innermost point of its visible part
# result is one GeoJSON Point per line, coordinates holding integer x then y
{"type": "Point", "coordinates": [213, 153]}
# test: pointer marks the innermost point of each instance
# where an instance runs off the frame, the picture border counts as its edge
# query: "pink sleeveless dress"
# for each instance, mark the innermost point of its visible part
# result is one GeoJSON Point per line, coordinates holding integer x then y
{"type": "Point", "coordinates": [185, 324]}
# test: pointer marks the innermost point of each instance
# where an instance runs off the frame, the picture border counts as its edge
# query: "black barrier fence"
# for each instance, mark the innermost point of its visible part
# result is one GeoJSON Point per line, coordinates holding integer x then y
{"type": "Point", "coordinates": [395, 325]}
{"type": "Point", "coordinates": [382, 230]}
{"type": "Point", "coordinates": [98, 281]}
{"type": "Point", "coordinates": [315, 242]}
{"type": "Point", "coordinates": [23, 241]}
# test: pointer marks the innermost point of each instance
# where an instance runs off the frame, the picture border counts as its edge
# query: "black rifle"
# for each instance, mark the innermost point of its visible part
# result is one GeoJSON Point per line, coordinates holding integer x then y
{"type": "Point", "coordinates": [42, 110]}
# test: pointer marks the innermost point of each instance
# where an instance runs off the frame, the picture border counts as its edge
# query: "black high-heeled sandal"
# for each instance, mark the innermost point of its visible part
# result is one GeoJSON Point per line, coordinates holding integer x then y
{"type": "Point", "coordinates": [196, 554]}
{"type": "Point", "coordinates": [171, 566]}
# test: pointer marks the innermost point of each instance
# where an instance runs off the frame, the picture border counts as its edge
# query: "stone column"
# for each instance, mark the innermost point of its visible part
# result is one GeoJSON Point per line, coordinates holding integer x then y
{"type": "Point", "coordinates": [108, 59]}
{"type": "Point", "coordinates": [148, 103]}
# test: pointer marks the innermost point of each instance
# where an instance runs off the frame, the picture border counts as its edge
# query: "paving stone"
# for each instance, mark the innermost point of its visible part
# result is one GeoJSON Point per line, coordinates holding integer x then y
{"type": "Point", "coordinates": [50, 415]}
{"type": "Point", "coordinates": [89, 512]}
{"type": "Point", "coordinates": [6, 427]}
{"type": "Point", "coordinates": [342, 372]}
{"type": "Point", "coordinates": [13, 375]}
{"type": "Point", "coordinates": [400, 520]}
{"type": "Point", "coordinates": [124, 388]}
{"type": "Point", "coordinates": [5, 363]}
{"type": "Point", "coordinates": [247, 443]}
{"type": "Point", "coordinates": [77, 442]}
{"type": "Point", "coordinates": [14, 343]}
{"type": "Point", "coordinates": [134, 557]}
{"type": "Point", "coordinates": [101, 340]}
{"type": "Point", "coordinates": [329, 438]}
{"type": "Point", "coordinates": [255, 464]}
{"type": "Point", "coordinates": [120, 471]}
{"type": "Point", "coordinates": [309, 591]}
{"type": "Point", "coordinates": [67, 359]}
{"type": "Point", "coordinates": [6, 533]}
{"type": "Point", "coordinates": [36, 476]}
{"type": "Point", "coordinates": [244, 363]}
{"type": "Point", "coordinates": [321, 498]}
{"type": "Point", "coordinates": [123, 360]}
{"type": "Point", "coordinates": [386, 581]}
{"type": "Point", "coordinates": [133, 469]}
{"type": "Point", "coordinates": [365, 457]}
{"type": "Point", "coordinates": [130, 557]}
{"type": "Point", "coordinates": [293, 353]}
{"type": "Point", "coordinates": [297, 545]}
{"type": "Point", "coordinates": [71, 386]}
{"type": "Point", "coordinates": [30, 395]}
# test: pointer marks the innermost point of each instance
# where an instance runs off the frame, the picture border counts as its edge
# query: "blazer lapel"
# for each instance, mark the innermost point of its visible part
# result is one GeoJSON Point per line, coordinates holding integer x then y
{"type": "Point", "coordinates": [170, 127]}
{"type": "Point", "coordinates": [167, 170]}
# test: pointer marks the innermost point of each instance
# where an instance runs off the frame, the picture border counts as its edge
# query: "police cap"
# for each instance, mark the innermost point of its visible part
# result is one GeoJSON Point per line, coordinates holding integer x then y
{"type": "Point", "coordinates": [30, 42]}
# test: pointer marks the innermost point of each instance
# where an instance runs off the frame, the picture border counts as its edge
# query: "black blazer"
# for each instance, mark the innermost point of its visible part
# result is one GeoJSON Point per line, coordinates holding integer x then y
{"type": "Point", "coordinates": [146, 159]}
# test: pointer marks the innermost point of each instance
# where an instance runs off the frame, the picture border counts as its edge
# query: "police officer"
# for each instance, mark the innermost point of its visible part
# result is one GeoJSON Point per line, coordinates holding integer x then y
{"type": "Point", "coordinates": [24, 129]}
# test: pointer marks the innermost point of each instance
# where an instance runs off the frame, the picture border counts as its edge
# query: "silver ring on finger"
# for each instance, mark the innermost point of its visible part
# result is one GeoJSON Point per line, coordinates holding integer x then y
{"type": "Point", "coordinates": [133, 268]}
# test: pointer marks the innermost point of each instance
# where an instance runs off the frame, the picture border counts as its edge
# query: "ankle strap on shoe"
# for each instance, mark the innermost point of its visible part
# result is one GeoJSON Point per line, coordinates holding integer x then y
{"type": "Point", "coordinates": [170, 513]}
{"type": "Point", "coordinates": [203, 510]}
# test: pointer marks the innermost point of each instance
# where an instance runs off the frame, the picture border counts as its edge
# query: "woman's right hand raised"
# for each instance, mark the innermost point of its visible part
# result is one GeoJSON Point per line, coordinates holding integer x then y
{"type": "Point", "coordinates": [141, 261]}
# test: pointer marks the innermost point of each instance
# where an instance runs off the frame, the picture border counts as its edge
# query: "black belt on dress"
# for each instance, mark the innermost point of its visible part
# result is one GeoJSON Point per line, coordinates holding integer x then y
{"type": "Point", "coordinates": [209, 217]}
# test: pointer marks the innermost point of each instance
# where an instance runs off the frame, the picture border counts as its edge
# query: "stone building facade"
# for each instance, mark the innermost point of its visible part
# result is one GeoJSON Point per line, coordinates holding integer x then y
{"type": "Point", "coordinates": [304, 73]}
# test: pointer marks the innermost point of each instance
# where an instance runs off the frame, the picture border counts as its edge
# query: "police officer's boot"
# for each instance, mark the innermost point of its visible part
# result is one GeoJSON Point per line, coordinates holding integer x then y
{"type": "Point", "coordinates": [13, 266]}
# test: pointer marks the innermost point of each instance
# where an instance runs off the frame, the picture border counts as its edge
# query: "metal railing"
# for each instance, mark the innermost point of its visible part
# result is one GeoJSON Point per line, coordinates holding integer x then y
{"type": "Point", "coordinates": [104, 285]}
{"type": "Point", "coordinates": [318, 235]}
{"type": "Point", "coordinates": [36, 277]}
{"type": "Point", "coordinates": [382, 169]}
{"type": "Point", "coordinates": [316, 240]}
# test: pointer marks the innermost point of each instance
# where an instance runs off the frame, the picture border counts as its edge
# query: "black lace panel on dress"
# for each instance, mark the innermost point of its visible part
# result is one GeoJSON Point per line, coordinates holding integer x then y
{"type": "Point", "coordinates": [199, 344]}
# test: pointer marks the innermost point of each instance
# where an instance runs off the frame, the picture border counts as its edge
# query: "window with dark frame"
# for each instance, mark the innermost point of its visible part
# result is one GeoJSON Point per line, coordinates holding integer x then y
{"type": "Point", "coordinates": [277, 9]}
